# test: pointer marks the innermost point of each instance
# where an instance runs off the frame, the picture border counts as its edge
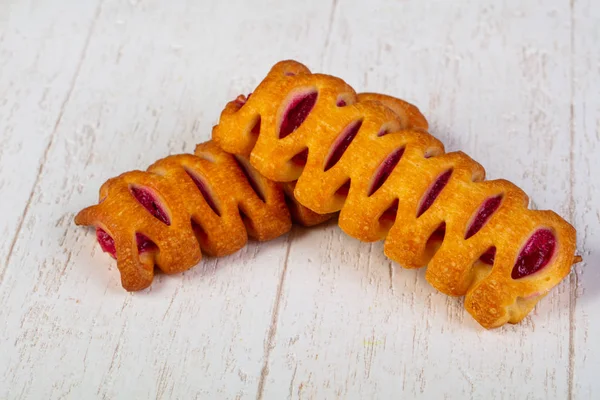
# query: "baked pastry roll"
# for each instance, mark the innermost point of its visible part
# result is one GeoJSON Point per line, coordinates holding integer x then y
{"type": "Point", "coordinates": [391, 180]}
{"type": "Point", "coordinates": [183, 205]}
{"type": "Point", "coordinates": [408, 114]}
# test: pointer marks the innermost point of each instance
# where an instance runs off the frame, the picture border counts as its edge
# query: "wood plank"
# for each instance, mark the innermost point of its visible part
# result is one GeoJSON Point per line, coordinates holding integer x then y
{"type": "Point", "coordinates": [585, 180]}
{"type": "Point", "coordinates": [152, 82]}
{"type": "Point", "coordinates": [333, 318]}
{"type": "Point", "coordinates": [491, 77]}
{"type": "Point", "coordinates": [37, 71]}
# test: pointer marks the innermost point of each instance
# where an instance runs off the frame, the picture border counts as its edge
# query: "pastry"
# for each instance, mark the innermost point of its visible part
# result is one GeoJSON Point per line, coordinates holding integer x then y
{"type": "Point", "coordinates": [408, 114]}
{"type": "Point", "coordinates": [391, 180]}
{"type": "Point", "coordinates": [182, 204]}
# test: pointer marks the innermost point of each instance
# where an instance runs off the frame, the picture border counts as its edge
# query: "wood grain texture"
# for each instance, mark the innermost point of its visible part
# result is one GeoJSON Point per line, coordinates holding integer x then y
{"type": "Point", "coordinates": [37, 71]}
{"type": "Point", "coordinates": [585, 189]}
{"type": "Point", "coordinates": [89, 89]}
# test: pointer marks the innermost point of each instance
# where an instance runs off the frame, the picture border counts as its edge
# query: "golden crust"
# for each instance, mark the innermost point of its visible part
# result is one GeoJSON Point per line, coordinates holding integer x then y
{"type": "Point", "coordinates": [493, 297]}
{"type": "Point", "coordinates": [178, 244]}
{"type": "Point", "coordinates": [409, 115]}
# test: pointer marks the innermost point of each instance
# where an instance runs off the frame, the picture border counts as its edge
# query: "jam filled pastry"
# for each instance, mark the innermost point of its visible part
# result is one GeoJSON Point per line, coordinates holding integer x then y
{"type": "Point", "coordinates": [355, 154]}
{"type": "Point", "coordinates": [184, 203]}
{"type": "Point", "coordinates": [408, 114]}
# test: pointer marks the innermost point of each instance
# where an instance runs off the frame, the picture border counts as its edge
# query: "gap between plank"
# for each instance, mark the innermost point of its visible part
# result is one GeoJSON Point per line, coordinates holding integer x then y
{"type": "Point", "coordinates": [270, 343]}
{"type": "Point", "coordinates": [573, 279]}
{"type": "Point", "coordinates": [277, 305]}
{"type": "Point", "coordinates": [329, 29]}
{"type": "Point", "coordinates": [51, 140]}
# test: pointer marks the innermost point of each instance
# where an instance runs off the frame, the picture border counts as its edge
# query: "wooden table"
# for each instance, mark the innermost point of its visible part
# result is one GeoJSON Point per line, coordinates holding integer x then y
{"type": "Point", "coordinates": [90, 89]}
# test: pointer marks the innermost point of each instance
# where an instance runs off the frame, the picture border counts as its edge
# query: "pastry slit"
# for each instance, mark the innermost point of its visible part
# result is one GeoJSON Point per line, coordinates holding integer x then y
{"type": "Point", "coordinates": [297, 111]}
{"type": "Point", "coordinates": [483, 214]}
{"type": "Point", "coordinates": [144, 243]}
{"type": "Point", "coordinates": [300, 158]}
{"type": "Point", "coordinates": [255, 131]}
{"type": "Point", "coordinates": [489, 256]}
{"type": "Point", "coordinates": [434, 191]}
{"type": "Point", "coordinates": [434, 241]}
{"type": "Point", "coordinates": [150, 202]}
{"type": "Point", "coordinates": [388, 217]}
{"type": "Point", "coordinates": [385, 170]}
{"type": "Point", "coordinates": [343, 190]}
{"type": "Point", "coordinates": [341, 143]}
{"type": "Point", "coordinates": [252, 180]}
{"type": "Point", "coordinates": [535, 254]}
{"type": "Point", "coordinates": [106, 241]}
{"type": "Point", "coordinates": [204, 189]}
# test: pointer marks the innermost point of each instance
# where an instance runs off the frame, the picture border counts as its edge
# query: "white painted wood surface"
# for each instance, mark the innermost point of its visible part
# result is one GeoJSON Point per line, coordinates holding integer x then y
{"type": "Point", "coordinates": [89, 89]}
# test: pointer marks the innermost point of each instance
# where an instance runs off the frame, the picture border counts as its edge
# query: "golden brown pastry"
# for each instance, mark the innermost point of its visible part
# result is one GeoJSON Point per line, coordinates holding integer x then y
{"type": "Point", "coordinates": [184, 203]}
{"type": "Point", "coordinates": [409, 116]}
{"type": "Point", "coordinates": [355, 154]}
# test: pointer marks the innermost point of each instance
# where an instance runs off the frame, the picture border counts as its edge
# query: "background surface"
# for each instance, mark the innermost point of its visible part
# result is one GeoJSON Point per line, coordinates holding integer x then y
{"type": "Point", "coordinates": [90, 89]}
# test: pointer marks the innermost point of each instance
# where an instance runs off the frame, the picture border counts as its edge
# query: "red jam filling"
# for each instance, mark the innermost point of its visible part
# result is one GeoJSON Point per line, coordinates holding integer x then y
{"type": "Point", "coordinates": [341, 103]}
{"type": "Point", "coordinates": [150, 203]}
{"type": "Point", "coordinates": [484, 213]}
{"type": "Point", "coordinates": [107, 243]}
{"type": "Point", "coordinates": [535, 255]}
{"type": "Point", "coordinates": [296, 113]}
{"type": "Point", "coordinates": [434, 192]}
{"type": "Point", "coordinates": [240, 100]}
{"type": "Point", "coordinates": [203, 188]}
{"type": "Point", "coordinates": [251, 180]}
{"type": "Point", "coordinates": [385, 169]}
{"type": "Point", "coordinates": [341, 143]}
{"type": "Point", "coordinates": [144, 244]}
{"type": "Point", "coordinates": [489, 256]}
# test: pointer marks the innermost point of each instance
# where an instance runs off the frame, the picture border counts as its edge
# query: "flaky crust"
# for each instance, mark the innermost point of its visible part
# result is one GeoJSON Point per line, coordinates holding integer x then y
{"type": "Point", "coordinates": [493, 297]}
